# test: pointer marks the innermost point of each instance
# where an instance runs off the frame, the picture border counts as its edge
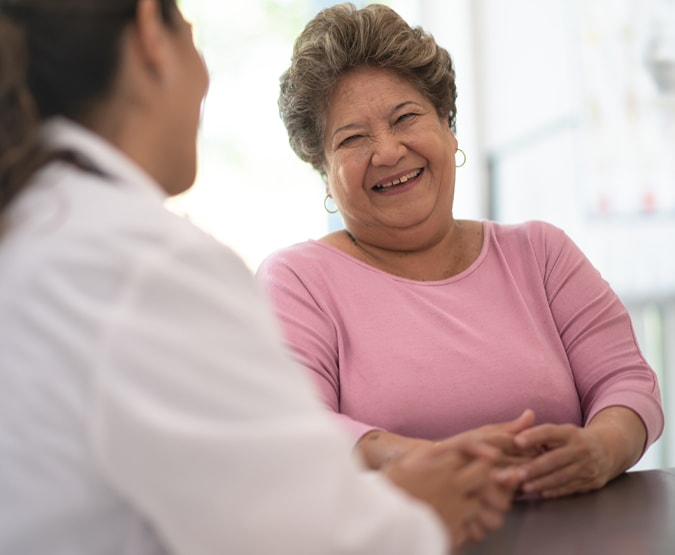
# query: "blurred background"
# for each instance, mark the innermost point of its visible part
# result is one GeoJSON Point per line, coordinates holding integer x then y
{"type": "Point", "coordinates": [566, 112]}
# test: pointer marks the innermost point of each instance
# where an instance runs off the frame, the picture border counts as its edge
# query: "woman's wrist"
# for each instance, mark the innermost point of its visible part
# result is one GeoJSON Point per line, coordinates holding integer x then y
{"type": "Point", "coordinates": [379, 447]}
{"type": "Point", "coordinates": [622, 433]}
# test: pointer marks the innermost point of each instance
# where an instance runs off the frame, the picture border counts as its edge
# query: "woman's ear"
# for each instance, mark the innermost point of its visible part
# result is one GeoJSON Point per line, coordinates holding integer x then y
{"type": "Point", "coordinates": [152, 44]}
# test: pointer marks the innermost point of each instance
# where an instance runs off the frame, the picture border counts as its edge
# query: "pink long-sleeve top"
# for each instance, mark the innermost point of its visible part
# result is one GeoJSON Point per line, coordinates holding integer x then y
{"type": "Point", "coordinates": [530, 324]}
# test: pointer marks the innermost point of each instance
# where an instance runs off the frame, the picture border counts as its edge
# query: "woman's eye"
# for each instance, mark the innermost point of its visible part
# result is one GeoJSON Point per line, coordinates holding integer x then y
{"type": "Point", "coordinates": [405, 117]}
{"type": "Point", "coordinates": [350, 140]}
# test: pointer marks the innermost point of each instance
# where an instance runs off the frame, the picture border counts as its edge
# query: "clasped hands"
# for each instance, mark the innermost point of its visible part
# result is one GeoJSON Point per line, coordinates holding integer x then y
{"type": "Point", "coordinates": [550, 460]}
{"type": "Point", "coordinates": [471, 479]}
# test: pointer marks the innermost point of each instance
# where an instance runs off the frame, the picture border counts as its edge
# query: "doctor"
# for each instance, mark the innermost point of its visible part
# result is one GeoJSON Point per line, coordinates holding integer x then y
{"type": "Point", "coordinates": [146, 402]}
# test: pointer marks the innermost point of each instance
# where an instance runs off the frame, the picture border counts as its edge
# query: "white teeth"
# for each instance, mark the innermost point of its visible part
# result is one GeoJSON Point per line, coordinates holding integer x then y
{"type": "Point", "coordinates": [402, 179]}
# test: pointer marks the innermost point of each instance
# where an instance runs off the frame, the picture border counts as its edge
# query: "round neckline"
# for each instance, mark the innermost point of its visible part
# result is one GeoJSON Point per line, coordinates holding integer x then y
{"type": "Point", "coordinates": [487, 230]}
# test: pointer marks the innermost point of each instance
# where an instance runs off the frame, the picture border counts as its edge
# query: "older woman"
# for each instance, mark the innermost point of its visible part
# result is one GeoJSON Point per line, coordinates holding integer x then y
{"type": "Point", "coordinates": [418, 326]}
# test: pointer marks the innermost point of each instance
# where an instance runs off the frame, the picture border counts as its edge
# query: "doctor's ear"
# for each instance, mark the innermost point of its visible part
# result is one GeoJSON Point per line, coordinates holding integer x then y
{"type": "Point", "coordinates": [151, 33]}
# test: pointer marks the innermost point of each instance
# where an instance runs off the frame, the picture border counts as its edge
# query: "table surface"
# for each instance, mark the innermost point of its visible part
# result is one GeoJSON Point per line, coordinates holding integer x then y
{"type": "Point", "coordinates": [632, 515]}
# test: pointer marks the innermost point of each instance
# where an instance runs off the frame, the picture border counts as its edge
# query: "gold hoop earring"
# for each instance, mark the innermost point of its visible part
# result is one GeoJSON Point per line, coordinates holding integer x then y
{"type": "Point", "coordinates": [325, 205]}
{"type": "Point", "coordinates": [463, 158]}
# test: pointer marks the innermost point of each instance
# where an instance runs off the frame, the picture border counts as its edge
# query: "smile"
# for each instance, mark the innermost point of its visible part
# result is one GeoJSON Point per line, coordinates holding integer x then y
{"type": "Point", "coordinates": [398, 181]}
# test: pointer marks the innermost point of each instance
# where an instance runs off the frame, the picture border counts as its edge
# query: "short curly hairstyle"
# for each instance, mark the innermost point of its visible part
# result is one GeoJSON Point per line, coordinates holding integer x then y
{"type": "Point", "coordinates": [341, 38]}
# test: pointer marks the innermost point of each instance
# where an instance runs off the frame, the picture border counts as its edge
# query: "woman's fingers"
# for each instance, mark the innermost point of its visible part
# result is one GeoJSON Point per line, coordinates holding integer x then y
{"type": "Point", "coordinates": [572, 462]}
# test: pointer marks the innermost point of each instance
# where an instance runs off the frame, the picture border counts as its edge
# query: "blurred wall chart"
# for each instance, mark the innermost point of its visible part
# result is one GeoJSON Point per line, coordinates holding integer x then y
{"type": "Point", "coordinates": [628, 70]}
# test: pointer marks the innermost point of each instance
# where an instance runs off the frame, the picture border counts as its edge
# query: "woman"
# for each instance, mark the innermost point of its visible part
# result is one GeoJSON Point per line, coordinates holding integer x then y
{"type": "Point", "coordinates": [146, 402]}
{"type": "Point", "coordinates": [418, 326]}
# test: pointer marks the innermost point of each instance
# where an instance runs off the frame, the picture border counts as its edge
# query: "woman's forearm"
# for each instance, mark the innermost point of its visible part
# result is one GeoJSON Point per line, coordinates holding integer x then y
{"type": "Point", "coordinates": [623, 434]}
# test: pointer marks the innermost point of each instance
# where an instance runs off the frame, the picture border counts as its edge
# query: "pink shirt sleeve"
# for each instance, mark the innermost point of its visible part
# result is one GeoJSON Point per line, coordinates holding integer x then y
{"type": "Point", "coordinates": [596, 330]}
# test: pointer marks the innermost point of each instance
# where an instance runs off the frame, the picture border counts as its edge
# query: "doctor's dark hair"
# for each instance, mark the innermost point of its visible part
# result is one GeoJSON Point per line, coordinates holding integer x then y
{"type": "Point", "coordinates": [57, 57]}
{"type": "Point", "coordinates": [341, 38]}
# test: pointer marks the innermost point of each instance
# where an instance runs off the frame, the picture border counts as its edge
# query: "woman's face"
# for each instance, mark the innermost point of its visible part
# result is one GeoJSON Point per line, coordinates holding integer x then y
{"type": "Point", "coordinates": [390, 158]}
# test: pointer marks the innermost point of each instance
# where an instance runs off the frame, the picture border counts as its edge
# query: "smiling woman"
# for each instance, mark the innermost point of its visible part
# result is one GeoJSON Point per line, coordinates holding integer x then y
{"type": "Point", "coordinates": [390, 167]}
{"type": "Point", "coordinates": [420, 327]}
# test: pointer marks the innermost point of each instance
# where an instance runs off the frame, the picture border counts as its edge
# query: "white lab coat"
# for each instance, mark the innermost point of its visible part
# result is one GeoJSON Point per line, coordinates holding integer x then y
{"type": "Point", "coordinates": [146, 402]}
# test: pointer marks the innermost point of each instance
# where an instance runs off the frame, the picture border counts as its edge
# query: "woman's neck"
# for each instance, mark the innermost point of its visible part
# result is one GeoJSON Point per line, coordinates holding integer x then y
{"type": "Point", "coordinates": [450, 254]}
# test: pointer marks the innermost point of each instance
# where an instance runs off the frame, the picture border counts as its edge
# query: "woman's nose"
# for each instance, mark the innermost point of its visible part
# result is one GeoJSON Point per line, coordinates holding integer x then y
{"type": "Point", "coordinates": [388, 149]}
